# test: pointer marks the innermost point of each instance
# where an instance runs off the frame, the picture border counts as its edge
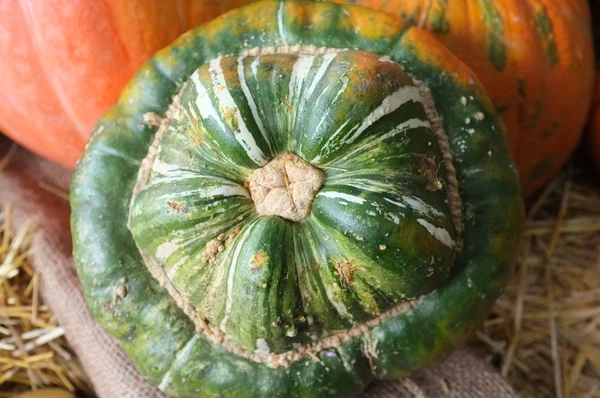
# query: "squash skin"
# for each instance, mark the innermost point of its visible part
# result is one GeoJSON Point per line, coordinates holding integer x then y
{"type": "Point", "coordinates": [64, 63]}
{"type": "Point", "coordinates": [160, 339]}
{"type": "Point", "coordinates": [288, 274]}
{"type": "Point", "coordinates": [538, 68]}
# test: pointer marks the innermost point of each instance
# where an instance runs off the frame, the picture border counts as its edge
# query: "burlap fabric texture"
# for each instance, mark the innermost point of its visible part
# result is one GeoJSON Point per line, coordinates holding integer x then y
{"type": "Point", "coordinates": [462, 375]}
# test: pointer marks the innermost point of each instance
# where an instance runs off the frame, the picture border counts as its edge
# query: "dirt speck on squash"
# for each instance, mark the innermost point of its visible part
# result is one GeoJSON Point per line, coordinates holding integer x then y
{"type": "Point", "coordinates": [235, 233]}
{"type": "Point", "coordinates": [429, 171]}
{"type": "Point", "coordinates": [211, 251]}
{"type": "Point", "coordinates": [178, 207]}
{"type": "Point", "coordinates": [345, 270]}
{"type": "Point", "coordinates": [119, 293]}
{"type": "Point", "coordinates": [259, 260]}
{"type": "Point", "coordinates": [216, 246]}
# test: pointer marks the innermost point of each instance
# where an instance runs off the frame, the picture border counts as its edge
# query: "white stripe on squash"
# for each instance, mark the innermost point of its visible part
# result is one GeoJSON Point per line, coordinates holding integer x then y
{"type": "Point", "coordinates": [280, 22]}
{"type": "Point", "coordinates": [230, 277]}
{"type": "Point", "coordinates": [173, 271]}
{"type": "Point", "coordinates": [300, 71]}
{"type": "Point", "coordinates": [341, 195]}
{"type": "Point", "coordinates": [439, 233]}
{"type": "Point", "coordinates": [410, 124]}
{"type": "Point", "coordinates": [224, 190]}
{"type": "Point", "coordinates": [338, 305]}
{"type": "Point", "coordinates": [389, 104]}
{"type": "Point", "coordinates": [164, 250]}
{"type": "Point", "coordinates": [330, 285]}
{"type": "Point", "coordinates": [370, 186]}
{"type": "Point", "coordinates": [417, 205]}
{"type": "Point", "coordinates": [395, 203]}
{"type": "Point", "coordinates": [421, 207]}
{"type": "Point", "coordinates": [326, 61]}
{"type": "Point", "coordinates": [327, 112]}
{"type": "Point", "coordinates": [183, 353]}
{"type": "Point", "coordinates": [407, 125]}
{"type": "Point", "coordinates": [250, 100]}
{"type": "Point", "coordinates": [204, 104]}
{"type": "Point", "coordinates": [254, 65]}
{"type": "Point", "coordinates": [243, 136]}
{"type": "Point", "coordinates": [392, 217]}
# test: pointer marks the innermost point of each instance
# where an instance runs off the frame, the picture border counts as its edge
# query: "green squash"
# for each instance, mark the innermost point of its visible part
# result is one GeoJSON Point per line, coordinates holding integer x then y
{"type": "Point", "coordinates": [294, 200]}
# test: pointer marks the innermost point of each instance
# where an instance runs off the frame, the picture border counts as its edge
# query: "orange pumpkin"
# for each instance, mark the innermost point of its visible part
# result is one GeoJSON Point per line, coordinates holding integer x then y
{"type": "Point", "coordinates": [535, 57]}
{"type": "Point", "coordinates": [64, 62]}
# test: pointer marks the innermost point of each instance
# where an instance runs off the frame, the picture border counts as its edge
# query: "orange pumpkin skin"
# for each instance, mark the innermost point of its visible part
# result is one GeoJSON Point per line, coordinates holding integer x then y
{"type": "Point", "coordinates": [64, 63]}
{"type": "Point", "coordinates": [535, 58]}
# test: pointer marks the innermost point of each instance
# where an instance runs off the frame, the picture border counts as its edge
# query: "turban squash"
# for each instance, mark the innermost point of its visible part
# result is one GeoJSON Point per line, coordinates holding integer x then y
{"type": "Point", "coordinates": [64, 63]}
{"type": "Point", "coordinates": [294, 200]}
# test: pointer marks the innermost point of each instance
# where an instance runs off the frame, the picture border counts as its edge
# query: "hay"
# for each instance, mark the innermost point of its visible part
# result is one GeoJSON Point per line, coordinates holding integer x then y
{"type": "Point", "coordinates": [544, 333]}
{"type": "Point", "coordinates": [33, 350]}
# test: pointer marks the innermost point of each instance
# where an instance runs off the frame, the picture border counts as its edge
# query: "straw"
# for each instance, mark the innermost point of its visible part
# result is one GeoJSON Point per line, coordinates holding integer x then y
{"type": "Point", "coordinates": [33, 350]}
{"type": "Point", "coordinates": [544, 332]}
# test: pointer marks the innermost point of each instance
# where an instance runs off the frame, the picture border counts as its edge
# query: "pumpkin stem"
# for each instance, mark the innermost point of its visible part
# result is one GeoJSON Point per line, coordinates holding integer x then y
{"type": "Point", "coordinates": [285, 187]}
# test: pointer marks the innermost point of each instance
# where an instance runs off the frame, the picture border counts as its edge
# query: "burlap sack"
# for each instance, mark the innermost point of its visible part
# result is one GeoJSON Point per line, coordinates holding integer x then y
{"type": "Point", "coordinates": [462, 375]}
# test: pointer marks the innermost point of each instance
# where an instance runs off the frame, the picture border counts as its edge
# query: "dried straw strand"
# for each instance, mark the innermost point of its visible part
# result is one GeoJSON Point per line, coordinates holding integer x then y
{"type": "Point", "coordinates": [33, 351]}
{"type": "Point", "coordinates": [544, 332]}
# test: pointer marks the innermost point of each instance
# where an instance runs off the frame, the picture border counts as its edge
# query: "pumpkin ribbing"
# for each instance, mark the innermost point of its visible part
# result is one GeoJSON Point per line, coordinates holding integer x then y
{"type": "Point", "coordinates": [236, 114]}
